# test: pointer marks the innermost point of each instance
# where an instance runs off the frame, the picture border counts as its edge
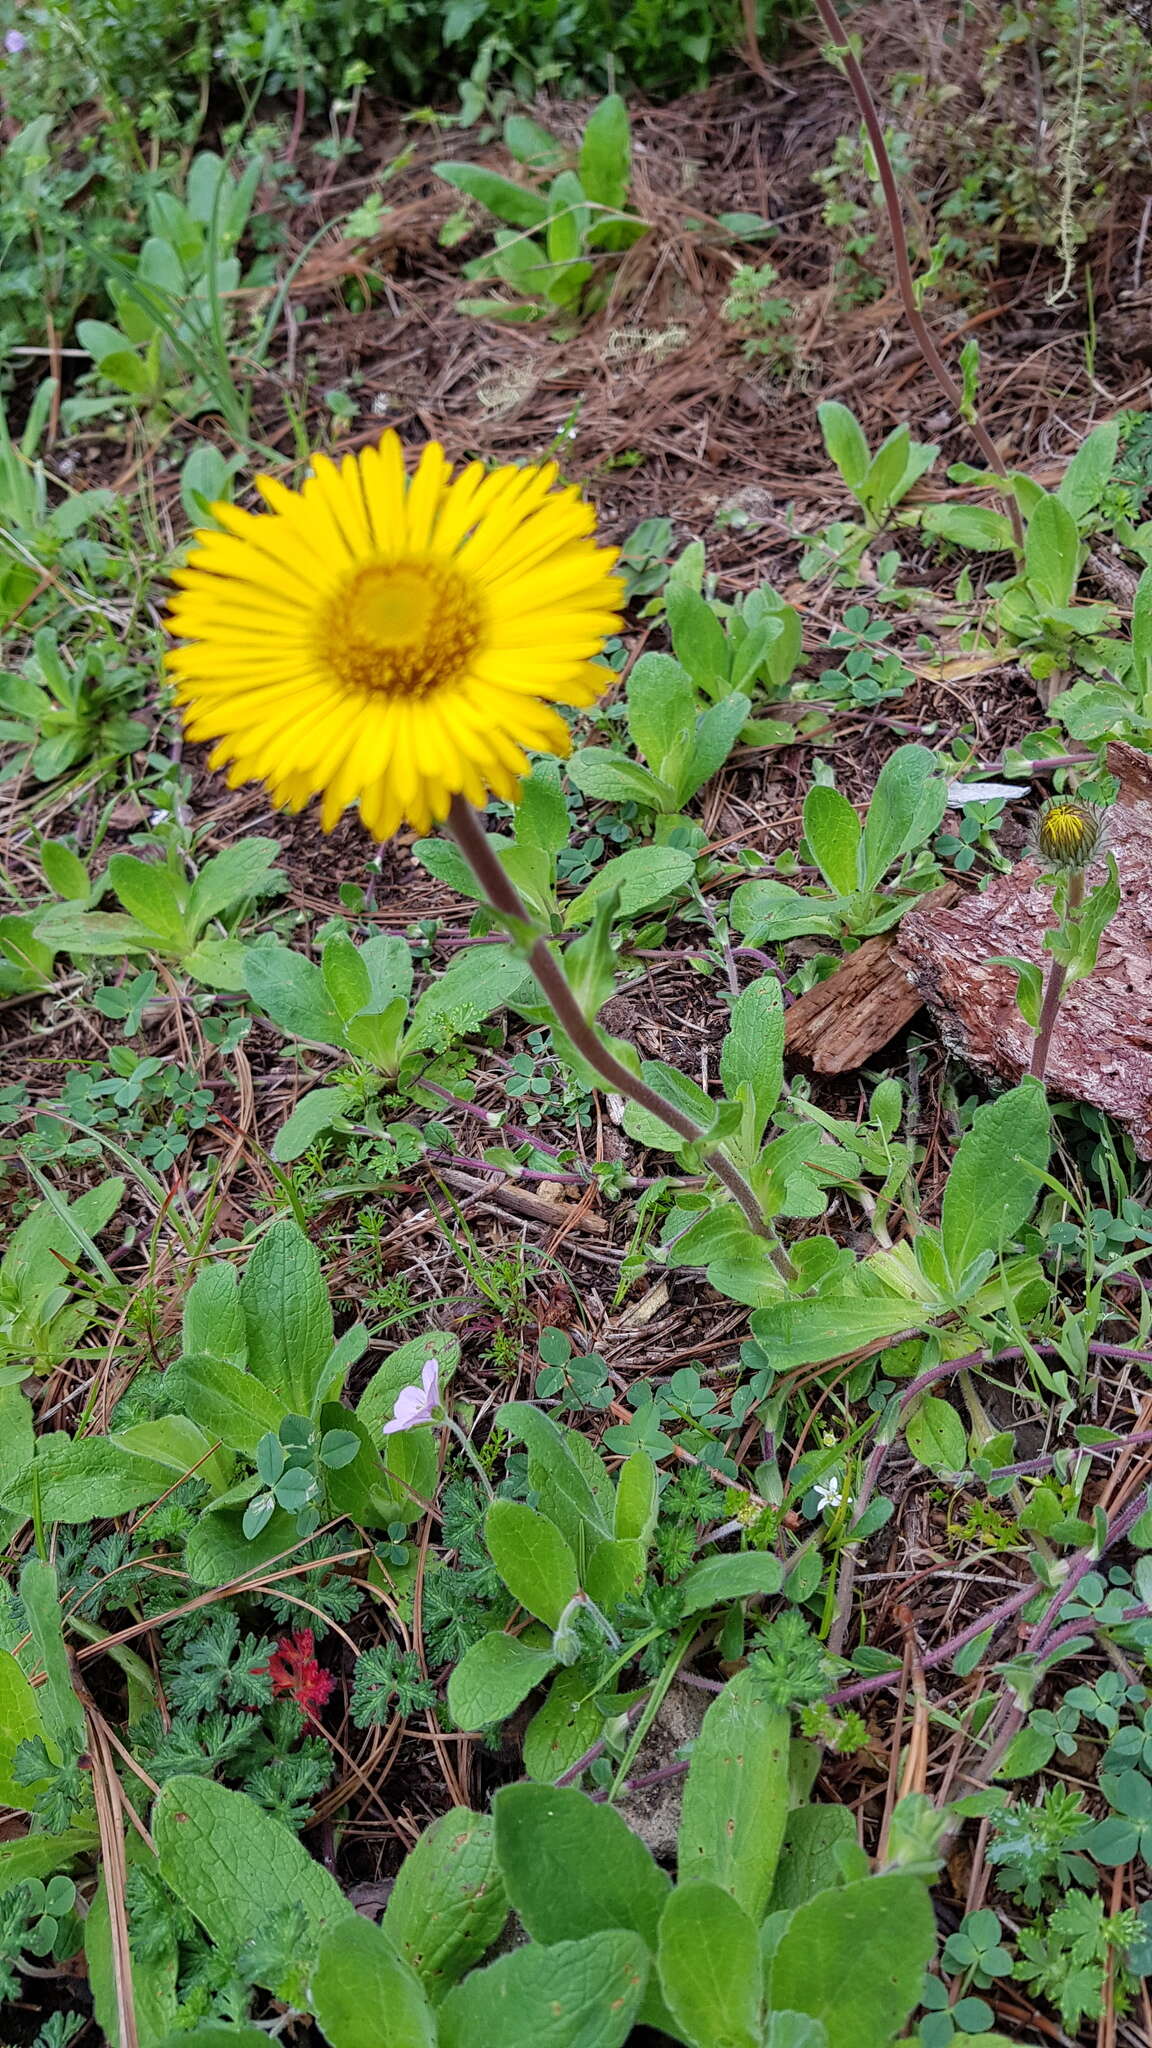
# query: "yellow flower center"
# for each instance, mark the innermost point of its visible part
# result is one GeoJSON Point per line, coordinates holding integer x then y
{"type": "Point", "coordinates": [403, 628]}
{"type": "Point", "coordinates": [1068, 832]}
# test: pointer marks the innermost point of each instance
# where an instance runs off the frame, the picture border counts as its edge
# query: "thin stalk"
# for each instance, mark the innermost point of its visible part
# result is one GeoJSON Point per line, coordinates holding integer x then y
{"type": "Point", "coordinates": [922, 333]}
{"type": "Point", "coordinates": [1054, 989]}
{"type": "Point", "coordinates": [466, 830]}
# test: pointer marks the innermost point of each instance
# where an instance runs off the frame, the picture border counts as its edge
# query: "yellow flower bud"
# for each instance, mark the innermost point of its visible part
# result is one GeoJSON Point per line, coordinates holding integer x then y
{"type": "Point", "coordinates": [1069, 832]}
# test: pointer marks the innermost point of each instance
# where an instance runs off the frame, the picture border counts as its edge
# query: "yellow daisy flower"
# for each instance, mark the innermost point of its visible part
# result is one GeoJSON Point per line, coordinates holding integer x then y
{"type": "Point", "coordinates": [393, 643]}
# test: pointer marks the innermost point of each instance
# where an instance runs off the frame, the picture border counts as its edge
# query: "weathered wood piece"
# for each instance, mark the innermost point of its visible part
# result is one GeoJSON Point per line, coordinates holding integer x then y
{"type": "Point", "coordinates": [843, 1021]}
{"type": "Point", "coordinates": [1102, 1046]}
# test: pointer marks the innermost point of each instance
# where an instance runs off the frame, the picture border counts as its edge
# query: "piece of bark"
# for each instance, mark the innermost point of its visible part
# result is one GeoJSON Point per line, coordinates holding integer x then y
{"type": "Point", "coordinates": [1101, 1049]}
{"type": "Point", "coordinates": [841, 1022]}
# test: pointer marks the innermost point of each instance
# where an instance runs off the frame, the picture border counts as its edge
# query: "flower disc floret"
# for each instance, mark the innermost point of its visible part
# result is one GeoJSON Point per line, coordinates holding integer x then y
{"type": "Point", "coordinates": [393, 642]}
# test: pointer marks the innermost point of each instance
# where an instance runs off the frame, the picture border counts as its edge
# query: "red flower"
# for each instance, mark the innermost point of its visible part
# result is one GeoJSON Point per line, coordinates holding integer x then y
{"type": "Point", "coordinates": [293, 1669]}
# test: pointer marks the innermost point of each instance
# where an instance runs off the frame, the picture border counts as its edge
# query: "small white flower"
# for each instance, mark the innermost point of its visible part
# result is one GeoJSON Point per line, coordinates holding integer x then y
{"type": "Point", "coordinates": [829, 1492]}
{"type": "Point", "coordinates": [415, 1405]}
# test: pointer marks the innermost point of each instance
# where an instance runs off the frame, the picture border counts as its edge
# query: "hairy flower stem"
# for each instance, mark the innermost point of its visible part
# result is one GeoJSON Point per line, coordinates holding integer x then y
{"type": "Point", "coordinates": [1054, 989]}
{"type": "Point", "coordinates": [467, 831]}
{"type": "Point", "coordinates": [922, 333]}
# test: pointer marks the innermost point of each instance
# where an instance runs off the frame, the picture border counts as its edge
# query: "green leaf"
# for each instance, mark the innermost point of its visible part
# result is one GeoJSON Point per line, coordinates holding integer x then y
{"type": "Point", "coordinates": [610, 777]}
{"type": "Point", "coordinates": [216, 2034]}
{"type": "Point", "coordinates": [716, 735]}
{"type": "Point", "coordinates": [908, 802]}
{"type": "Point", "coordinates": [808, 1855]}
{"type": "Point", "coordinates": [1052, 553]}
{"type": "Point", "coordinates": [969, 526]}
{"type": "Point", "coordinates": [217, 1549]}
{"type": "Point", "coordinates": [445, 862]}
{"type": "Point", "coordinates": [448, 1904]}
{"type": "Point", "coordinates": [60, 1709]}
{"type": "Point", "coordinates": [218, 963]}
{"type": "Point", "coordinates": [698, 638]}
{"type": "Point", "coordinates": [736, 1793]}
{"type": "Point", "coordinates": [520, 205]}
{"type": "Point", "coordinates": [936, 1436]}
{"type": "Point", "coordinates": [154, 1975]}
{"type": "Point", "coordinates": [844, 440]}
{"type": "Point", "coordinates": [532, 1558]}
{"type": "Point", "coordinates": [614, 1571]}
{"type": "Point", "coordinates": [606, 153]}
{"type": "Point", "coordinates": [766, 913]}
{"type": "Point", "coordinates": [179, 1443]}
{"type": "Point", "coordinates": [637, 1498]}
{"type": "Point", "coordinates": [661, 711]}
{"type": "Point", "coordinates": [560, 1731]}
{"type": "Point", "coordinates": [576, 1994]}
{"type": "Point", "coordinates": [573, 1867]}
{"type": "Point", "coordinates": [549, 1446]}
{"type": "Point", "coordinates": [995, 1178]}
{"type": "Point", "coordinates": [480, 980]}
{"type": "Point", "coordinates": [101, 934]}
{"type": "Point", "coordinates": [345, 975]}
{"type": "Point", "coordinates": [42, 1855]}
{"type": "Point", "coordinates": [213, 1324]}
{"type": "Point", "coordinates": [832, 830]}
{"type": "Point", "coordinates": [226, 1402]}
{"type": "Point", "coordinates": [53, 1235]}
{"type": "Point", "coordinates": [794, 2030]}
{"type": "Point", "coordinates": [1028, 1752]}
{"type": "Point", "coordinates": [20, 1720]}
{"type": "Point", "coordinates": [709, 1962]}
{"type": "Point", "coordinates": [230, 878]}
{"type": "Point", "coordinates": [855, 1959]}
{"type": "Point", "coordinates": [236, 1868]}
{"type": "Point", "coordinates": [531, 144]}
{"type": "Point", "coordinates": [292, 991]}
{"type": "Point", "coordinates": [149, 894]}
{"type": "Point", "coordinates": [644, 876]}
{"type": "Point", "coordinates": [364, 1995]}
{"type": "Point", "coordinates": [752, 1056]}
{"type": "Point", "coordinates": [287, 1314]}
{"type": "Point", "coordinates": [737, 1577]}
{"type": "Point", "coordinates": [541, 811]}
{"type": "Point", "coordinates": [64, 871]}
{"type": "Point", "coordinates": [1083, 482]}
{"type": "Point", "coordinates": [315, 1113]}
{"type": "Point", "coordinates": [493, 1677]}
{"type": "Point", "coordinates": [897, 464]}
{"type": "Point", "coordinates": [646, 1127]}
{"type": "Point", "coordinates": [812, 1332]}
{"type": "Point", "coordinates": [1142, 637]}
{"type": "Point", "coordinates": [87, 1478]}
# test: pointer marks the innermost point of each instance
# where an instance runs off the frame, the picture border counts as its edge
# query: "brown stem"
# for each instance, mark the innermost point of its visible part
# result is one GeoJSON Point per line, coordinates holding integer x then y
{"type": "Point", "coordinates": [469, 835]}
{"type": "Point", "coordinates": [1053, 991]}
{"type": "Point", "coordinates": [922, 334]}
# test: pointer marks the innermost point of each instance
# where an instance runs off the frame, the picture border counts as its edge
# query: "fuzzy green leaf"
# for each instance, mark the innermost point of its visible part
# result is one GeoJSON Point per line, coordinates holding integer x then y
{"type": "Point", "coordinates": [365, 1995]}
{"type": "Point", "coordinates": [576, 1994]}
{"type": "Point", "coordinates": [736, 1794]}
{"type": "Point", "coordinates": [448, 1903]}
